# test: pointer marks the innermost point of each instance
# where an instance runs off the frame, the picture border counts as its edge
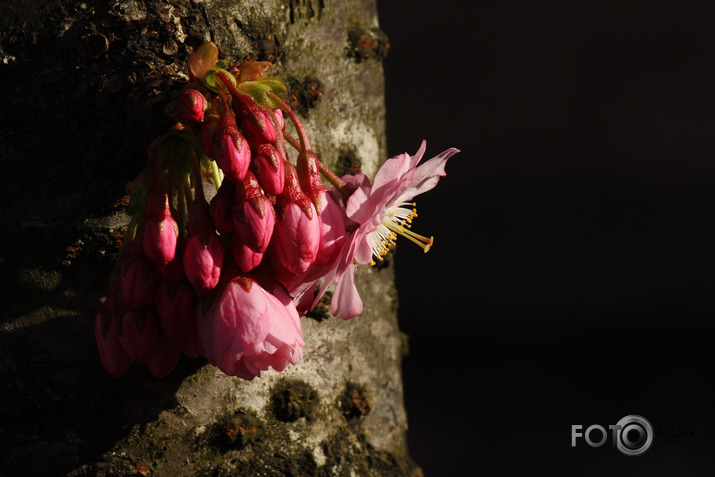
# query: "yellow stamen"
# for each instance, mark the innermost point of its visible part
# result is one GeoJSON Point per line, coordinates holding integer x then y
{"type": "Point", "coordinates": [398, 221]}
{"type": "Point", "coordinates": [420, 240]}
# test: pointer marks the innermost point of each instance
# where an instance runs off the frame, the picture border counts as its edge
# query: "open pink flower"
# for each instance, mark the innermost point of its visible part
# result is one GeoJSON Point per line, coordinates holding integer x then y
{"type": "Point", "coordinates": [375, 216]}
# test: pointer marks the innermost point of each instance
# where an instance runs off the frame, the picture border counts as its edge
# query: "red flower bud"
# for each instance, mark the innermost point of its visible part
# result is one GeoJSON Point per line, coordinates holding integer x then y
{"type": "Point", "coordinates": [114, 359]}
{"type": "Point", "coordinates": [207, 133]}
{"type": "Point", "coordinates": [267, 165]}
{"type": "Point", "coordinates": [137, 280]}
{"type": "Point", "coordinates": [231, 150]}
{"type": "Point", "coordinates": [189, 107]}
{"type": "Point", "coordinates": [174, 270]}
{"type": "Point", "coordinates": [309, 176]}
{"type": "Point", "coordinates": [160, 231]}
{"type": "Point", "coordinates": [138, 333]}
{"type": "Point", "coordinates": [203, 252]}
{"type": "Point", "coordinates": [164, 358]}
{"type": "Point", "coordinates": [254, 122]}
{"type": "Point", "coordinates": [174, 306]}
{"type": "Point", "coordinates": [253, 222]}
{"type": "Point", "coordinates": [296, 236]}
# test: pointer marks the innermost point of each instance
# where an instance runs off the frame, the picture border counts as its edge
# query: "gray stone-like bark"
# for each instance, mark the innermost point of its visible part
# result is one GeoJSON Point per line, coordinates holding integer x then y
{"type": "Point", "coordinates": [84, 85]}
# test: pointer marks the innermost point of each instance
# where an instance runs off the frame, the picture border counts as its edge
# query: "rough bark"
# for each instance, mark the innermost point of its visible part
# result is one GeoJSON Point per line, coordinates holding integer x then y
{"type": "Point", "coordinates": [84, 85]}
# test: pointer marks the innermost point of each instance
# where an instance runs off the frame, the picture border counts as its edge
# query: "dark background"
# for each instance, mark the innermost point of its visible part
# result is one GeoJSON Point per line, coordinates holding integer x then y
{"type": "Point", "coordinates": [572, 276]}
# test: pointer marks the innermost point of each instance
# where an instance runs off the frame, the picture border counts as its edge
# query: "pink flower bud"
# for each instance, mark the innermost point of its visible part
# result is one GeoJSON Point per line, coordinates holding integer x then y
{"type": "Point", "coordinates": [138, 333]}
{"type": "Point", "coordinates": [254, 121]}
{"type": "Point", "coordinates": [189, 107]}
{"type": "Point", "coordinates": [174, 270]}
{"type": "Point", "coordinates": [247, 330]}
{"type": "Point", "coordinates": [114, 359]}
{"type": "Point", "coordinates": [138, 279]}
{"type": "Point", "coordinates": [203, 252]}
{"type": "Point", "coordinates": [253, 222]}
{"type": "Point", "coordinates": [164, 358]}
{"type": "Point", "coordinates": [160, 230]}
{"type": "Point", "coordinates": [206, 134]}
{"type": "Point", "coordinates": [221, 207]}
{"type": "Point", "coordinates": [245, 257]}
{"type": "Point", "coordinates": [267, 165]}
{"type": "Point", "coordinates": [231, 150]}
{"type": "Point", "coordinates": [296, 236]}
{"type": "Point", "coordinates": [174, 306]}
{"type": "Point", "coordinates": [309, 176]}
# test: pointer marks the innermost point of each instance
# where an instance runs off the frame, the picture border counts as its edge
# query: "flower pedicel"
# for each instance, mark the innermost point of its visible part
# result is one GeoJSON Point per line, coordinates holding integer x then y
{"type": "Point", "coordinates": [229, 280]}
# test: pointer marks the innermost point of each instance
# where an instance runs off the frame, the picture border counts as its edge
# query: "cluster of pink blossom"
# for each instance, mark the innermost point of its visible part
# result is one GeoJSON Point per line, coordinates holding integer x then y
{"type": "Point", "coordinates": [229, 279]}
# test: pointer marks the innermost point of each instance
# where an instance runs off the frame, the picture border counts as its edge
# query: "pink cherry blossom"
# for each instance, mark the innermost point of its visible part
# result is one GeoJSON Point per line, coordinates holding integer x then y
{"type": "Point", "coordinates": [375, 215]}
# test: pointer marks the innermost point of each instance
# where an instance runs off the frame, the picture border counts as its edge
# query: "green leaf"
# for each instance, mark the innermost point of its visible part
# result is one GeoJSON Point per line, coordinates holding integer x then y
{"type": "Point", "coordinates": [216, 84]}
{"type": "Point", "coordinates": [259, 90]}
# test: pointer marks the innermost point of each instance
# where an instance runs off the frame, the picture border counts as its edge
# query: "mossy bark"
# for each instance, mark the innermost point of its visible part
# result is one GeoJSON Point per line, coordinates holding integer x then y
{"type": "Point", "coordinates": [84, 85]}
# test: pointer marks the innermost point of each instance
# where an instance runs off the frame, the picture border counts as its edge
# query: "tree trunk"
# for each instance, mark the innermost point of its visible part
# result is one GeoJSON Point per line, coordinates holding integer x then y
{"type": "Point", "coordinates": [84, 89]}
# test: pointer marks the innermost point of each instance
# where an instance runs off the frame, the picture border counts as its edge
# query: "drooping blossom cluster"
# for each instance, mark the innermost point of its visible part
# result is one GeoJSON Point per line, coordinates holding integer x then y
{"type": "Point", "coordinates": [231, 240]}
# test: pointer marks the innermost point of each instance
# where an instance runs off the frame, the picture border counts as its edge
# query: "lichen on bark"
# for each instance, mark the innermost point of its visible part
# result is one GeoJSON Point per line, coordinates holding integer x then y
{"type": "Point", "coordinates": [85, 86]}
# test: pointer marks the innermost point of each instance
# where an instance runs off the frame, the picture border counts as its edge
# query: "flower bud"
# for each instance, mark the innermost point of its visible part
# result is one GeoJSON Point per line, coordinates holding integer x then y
{"type": "Point", "coordinates": [138, 333]}
{"type": "Point", "coordinates": [207, 133]}
{"type": "Point", "coordinates": [296, 236]}
{"type": "Point", "coordinates": [203, 253]}
{"type": "Point", "coordinates": [246, 330]}
{"type": "Point", "coordinates": [267, 165]}
{"type": "Point", "coordinates": [231, 150]}
{"type": "Point", "coordinates": [254, 121]}
{"type": "Point", "coordinates": [309, 176]}
{"type": "Point", "coordinates": [174, 270]}
{"type": "Point", "coordinates": [164, 358]}
{"type": "Point", "coordinates": [137, 280]}
{"type": "Point", "coordinates": [160, 231]}
{"type": "Point", "coordinates": [253, 222]}
{"type": "Point", "coordinates": [188, 108]}
{"type": "Point", "coordinates": [114, 359]}
{"type": "Point", "coordinates": [174, 306]}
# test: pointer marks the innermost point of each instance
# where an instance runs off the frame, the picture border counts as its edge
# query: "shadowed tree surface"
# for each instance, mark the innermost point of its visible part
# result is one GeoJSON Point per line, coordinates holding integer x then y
{"type": "Point", "coordinates": [84, 89]}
